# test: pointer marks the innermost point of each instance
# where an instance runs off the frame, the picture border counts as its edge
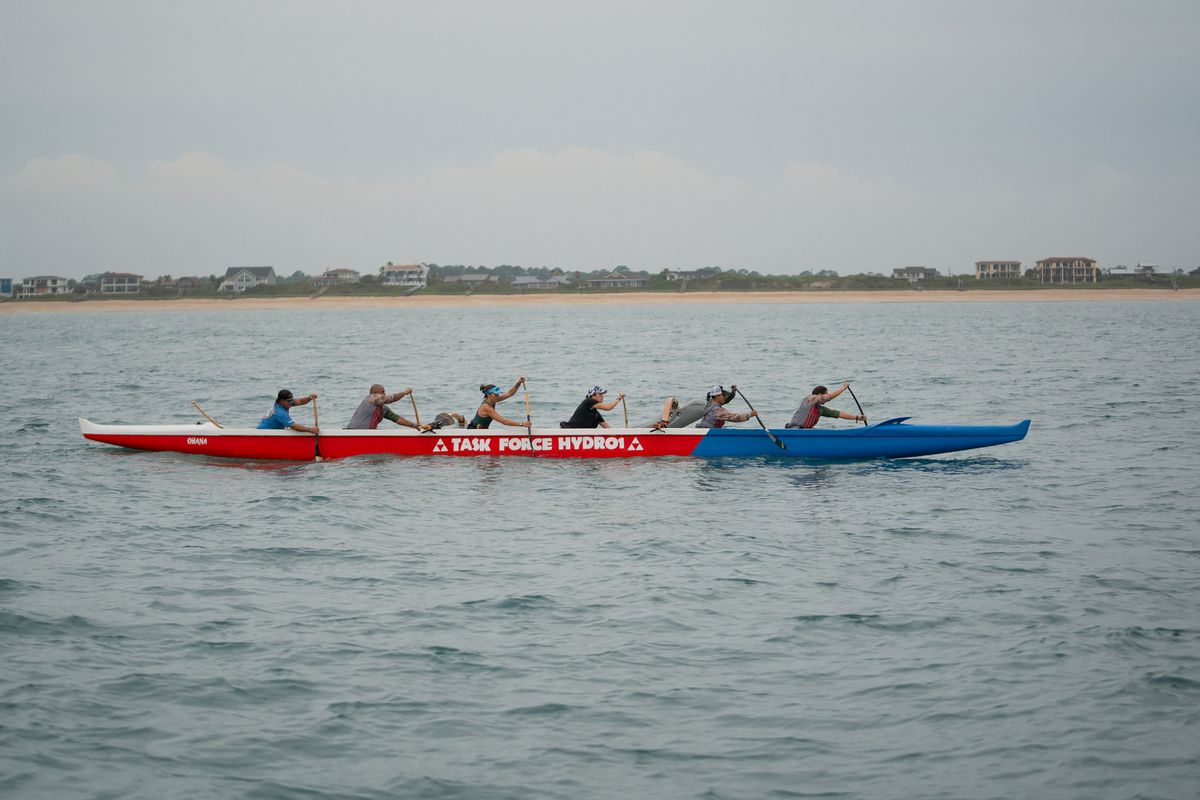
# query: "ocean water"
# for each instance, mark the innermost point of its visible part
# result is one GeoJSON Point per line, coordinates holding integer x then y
{"type": "Point", "coordinates": [1021, 621]}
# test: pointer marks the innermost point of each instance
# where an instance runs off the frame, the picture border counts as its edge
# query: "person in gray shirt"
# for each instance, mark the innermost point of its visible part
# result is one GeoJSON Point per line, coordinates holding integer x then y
{"type": "Point", "coordinates": [373, 409]}
{"type": "Point", "coordinates": [812, 408]}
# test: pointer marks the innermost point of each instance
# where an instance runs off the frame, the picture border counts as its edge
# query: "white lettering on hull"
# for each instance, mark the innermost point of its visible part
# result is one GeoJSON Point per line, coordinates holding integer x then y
{"type": "Point", "coordinates": [538, 444]}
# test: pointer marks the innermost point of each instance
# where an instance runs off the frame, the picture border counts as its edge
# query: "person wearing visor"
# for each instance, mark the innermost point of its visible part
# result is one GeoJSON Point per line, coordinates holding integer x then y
{"type": "Point", "coordinates": [587, 415]}
{"type": "Point", "coordinates": [715, 413]}
{"type": "Point", "coordinates": [812, 408]}
{"type": "Point", "coordinates": [373, 410]}
{"type": "Point", "coordinates": [487, 409]}
{"type": "Point", "coordinates": [280, 419]}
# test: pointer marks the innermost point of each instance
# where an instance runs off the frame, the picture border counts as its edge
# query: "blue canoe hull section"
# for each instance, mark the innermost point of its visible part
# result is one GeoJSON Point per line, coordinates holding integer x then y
{"type": "Point", "coordinates": [893, 438]}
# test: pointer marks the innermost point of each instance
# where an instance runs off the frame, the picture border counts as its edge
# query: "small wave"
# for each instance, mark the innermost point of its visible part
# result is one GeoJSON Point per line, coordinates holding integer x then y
{"type": "Point", "coordinates": [528, 601]}
{"type": "Point", "coordinates": [14, 622]}
{"type": "Point", "coordinates": [877, 622]}
{"type": "Point", "coordinates": [10, 586]}
{"type": "Point", "coordinates": [1173, 682]}
{"type": "Point", "coordinates": [539, 710]}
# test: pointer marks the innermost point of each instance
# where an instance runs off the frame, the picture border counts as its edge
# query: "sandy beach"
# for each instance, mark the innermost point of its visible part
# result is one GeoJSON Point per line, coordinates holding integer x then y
{"type": "Point", "coordinates": [643, 298]}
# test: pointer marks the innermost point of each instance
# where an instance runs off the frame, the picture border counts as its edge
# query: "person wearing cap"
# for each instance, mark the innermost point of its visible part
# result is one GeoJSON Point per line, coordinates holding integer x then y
{"type": "Point", "coordinates": [487, 409]}
{"type": "Point", "coordinates": [280, 419]}
{"type": "Point", "coordinates": [587, 415]}
{"type": "Point", "coordinates": [812, 408]}
{"type": "Point", "coordinates": [715, 413]}
{"type": "Point", "coordinates": [373, 410]}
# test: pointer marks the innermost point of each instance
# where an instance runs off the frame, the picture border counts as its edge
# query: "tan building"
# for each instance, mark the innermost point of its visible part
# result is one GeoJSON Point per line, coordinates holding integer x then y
{"type": "Point", "coordinates": [992, 270]}
{"type": "Point", "coordinates": [1067, 269]}
{"type": "Point", "coordinates": [337, 277]}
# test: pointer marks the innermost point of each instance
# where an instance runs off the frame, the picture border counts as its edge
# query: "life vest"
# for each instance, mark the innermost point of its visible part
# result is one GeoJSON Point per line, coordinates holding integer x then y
{"type": "Point", "coordinates": [813, 416]}
{"type": "Point", "coordinates": [709, 418]}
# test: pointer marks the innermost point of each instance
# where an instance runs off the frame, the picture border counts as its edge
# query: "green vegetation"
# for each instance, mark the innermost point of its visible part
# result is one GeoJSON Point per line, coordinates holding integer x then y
{"type": "Point", "coordinates": [463, 280]}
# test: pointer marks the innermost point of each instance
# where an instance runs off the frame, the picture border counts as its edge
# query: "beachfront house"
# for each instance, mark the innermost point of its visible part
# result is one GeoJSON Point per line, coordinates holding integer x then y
{"type": "Point", "coordinates": [404, 275]}
{"type": "Point", "coordinates": [997, 270]}
{"type": "Point", "coordinates": [524, 282]}
{"type": "Point", "coordinates": [41, 285]}
{"type": "Point", "coordinates": [120, 283]}
{"type": "Point", "coordinates": [688, 274]}
{"type": "Point", "coordinates": [339, 276]}
{"type": "Point", "coordinates": [914, 275]}
{"type": "Point", "coordinates": [471, 278]}
{"type": "Point", "coordinates": [239, 279]}
{"type": "Point", "coordinates": [6, 287]}
{"type": "Point", "coordinates": [616, 280]}
{"type": "Point", "coordinates": [1067, 269]}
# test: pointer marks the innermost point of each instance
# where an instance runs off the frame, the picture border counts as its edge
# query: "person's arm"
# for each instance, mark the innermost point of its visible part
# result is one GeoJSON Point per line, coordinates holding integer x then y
{"type": "Point", "coordinates": [392, 416]}
{"type": "Point", "coordinates": [299, 401]}
{"type": "Point", "coordinates": [669, 406]}
{"type": "Point", "coordinates": [296, 426]}
{"type": "Point", "coordinates": [506, 421]}
{"type": "Point", "coordinates": [491, 412]}
{"type": "Point", "coordinates": [731, 416]}
{"type": "Point", "coordinates": [610, 406]}
{"type": "Point", "coordinates": [391, 398]}
{"type": "Point", "coordinates": [513, 390]}
{"type": "Point", "coordinates": [832, 395]}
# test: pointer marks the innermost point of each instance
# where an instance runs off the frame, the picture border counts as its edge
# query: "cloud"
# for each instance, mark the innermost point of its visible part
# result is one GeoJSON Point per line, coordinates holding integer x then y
{"type": "Point", "coordinates": [69, 173]}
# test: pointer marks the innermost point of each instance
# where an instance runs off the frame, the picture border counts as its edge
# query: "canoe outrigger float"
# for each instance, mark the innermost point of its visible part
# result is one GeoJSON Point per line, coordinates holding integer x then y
{"type": "Point", "coordinates": [893, 438]}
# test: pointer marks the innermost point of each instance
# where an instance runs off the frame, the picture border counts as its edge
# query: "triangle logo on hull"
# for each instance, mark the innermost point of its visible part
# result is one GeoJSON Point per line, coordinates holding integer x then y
{"type": "Point", "coordinates": [440, 447]}
{"type": "Point", "coordinates": [635, 446]}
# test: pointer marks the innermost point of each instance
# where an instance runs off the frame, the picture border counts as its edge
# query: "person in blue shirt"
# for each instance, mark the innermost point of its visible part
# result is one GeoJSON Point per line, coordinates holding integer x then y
{"type": "Point", "coordinates": [279, 418]}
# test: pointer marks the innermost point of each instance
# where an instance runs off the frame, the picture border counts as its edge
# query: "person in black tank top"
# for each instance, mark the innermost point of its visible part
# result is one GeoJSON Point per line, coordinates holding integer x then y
{"type": "Point", "coordinates": [487, 409]}
{"type": "Point", "coordinates": [587, 415]}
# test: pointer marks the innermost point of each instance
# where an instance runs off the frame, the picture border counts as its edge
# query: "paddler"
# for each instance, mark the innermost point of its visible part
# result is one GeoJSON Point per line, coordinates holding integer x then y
{"type": "Point", "coordinates": [373, 409]}
{"type": "Point", "coordinates": [715, 413]}
{"type": "Point", "coordinates": [445, 419]}
{"type": "Point", "coordinates": [280, 419]}
{"type": "Point", "coordinates": [812, 408]}
{"type": "Point", "coordinates": [487, 409]}
{"type": "Point", "coordinates": [587, 415]}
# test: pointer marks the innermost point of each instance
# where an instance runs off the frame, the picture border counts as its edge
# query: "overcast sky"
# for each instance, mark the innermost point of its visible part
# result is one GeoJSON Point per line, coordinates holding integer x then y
{"type": "Point", "coordinates": [183, 138]}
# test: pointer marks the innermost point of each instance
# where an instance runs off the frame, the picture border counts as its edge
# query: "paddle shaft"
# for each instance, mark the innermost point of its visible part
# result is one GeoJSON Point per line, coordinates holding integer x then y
{"type": "Point", "coordinates": [205, 414]}
{"type": "Point", "coordinates": [767, 430]}
{"type": "Point", "coordinates": [625, 408]}
{"type": "Point", "coordinates": [528, 420]}
{"type": "Point", "coordinates": [416, 413]}
{"type": "Point", "coordinates": [861, 413]}
{"type": "Point", "coordinates": [316, 436]}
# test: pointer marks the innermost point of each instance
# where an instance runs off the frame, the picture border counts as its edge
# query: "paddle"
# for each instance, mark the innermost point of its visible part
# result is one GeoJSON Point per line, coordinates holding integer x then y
{"type": "Point", "coordinates": [529, 425]}
{"type": "Point", "coordinates": [205, 414]}
{"type": "Point", "coordinates": [774, 438]}
{"type": "Point", "coordinates": [413, 397]}
{"type": "Point", "coordinates": [862, 413]}
{"type": "Point", "coordinates": [625, 408]}
{"type": "Point", "coordinates": [316, 436]}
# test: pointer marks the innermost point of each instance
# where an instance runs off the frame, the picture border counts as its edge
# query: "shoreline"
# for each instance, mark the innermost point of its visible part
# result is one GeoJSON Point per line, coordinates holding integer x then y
{"type": "Point", "coordinates": [640, 298]}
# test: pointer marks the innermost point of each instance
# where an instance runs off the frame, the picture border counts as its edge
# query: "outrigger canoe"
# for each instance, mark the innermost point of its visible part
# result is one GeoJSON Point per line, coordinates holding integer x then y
{"type": "Point", "coordinates": [893, 438]}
